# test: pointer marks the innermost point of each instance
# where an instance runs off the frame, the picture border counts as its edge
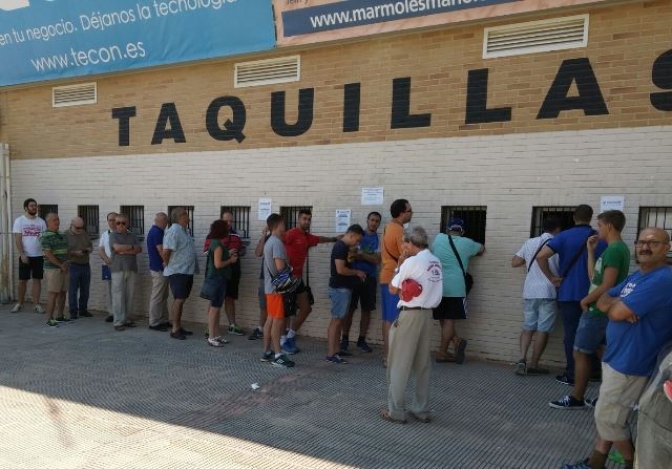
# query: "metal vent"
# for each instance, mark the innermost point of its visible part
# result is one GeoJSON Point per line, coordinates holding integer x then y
{"type": "Point", "coordinates": [268, 72]}
{"type": "Point", "coordinates": [536, 36]}
{"type": "Point", "coordinates": [74, 95]}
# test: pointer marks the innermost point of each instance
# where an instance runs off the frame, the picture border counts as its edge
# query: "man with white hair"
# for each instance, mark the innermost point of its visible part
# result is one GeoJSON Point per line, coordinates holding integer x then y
{"type": "Point", "coordinates": [419, 283]}
{"type": "Point", "coordinates": [79, 248]}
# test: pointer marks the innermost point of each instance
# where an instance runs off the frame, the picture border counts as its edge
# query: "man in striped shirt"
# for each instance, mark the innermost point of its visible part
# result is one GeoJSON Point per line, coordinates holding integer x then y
{"type": "Point", "coordinates": [55, 249]}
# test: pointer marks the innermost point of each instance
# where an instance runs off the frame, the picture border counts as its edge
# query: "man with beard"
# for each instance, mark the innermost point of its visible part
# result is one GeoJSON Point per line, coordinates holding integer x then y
{"type": "Point", "coordinates": [27, 230]}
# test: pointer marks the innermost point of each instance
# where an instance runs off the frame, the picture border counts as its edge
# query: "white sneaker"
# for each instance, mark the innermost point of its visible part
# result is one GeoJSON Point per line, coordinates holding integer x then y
{"type": "Point", "coordinates": [16, 308]}
{"type": "Point", "coordinates": [38, 309]}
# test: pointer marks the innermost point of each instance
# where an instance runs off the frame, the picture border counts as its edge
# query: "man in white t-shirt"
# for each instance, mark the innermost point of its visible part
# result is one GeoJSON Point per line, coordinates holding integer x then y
{"type": "Point", "coordinates": [419, 282]}
{"type": "Point", "coordinates": [539, 298]}
{"type": "Point", "coordinates": [105, 251]}
{"type": "Point", "coordinates": [27, 231]}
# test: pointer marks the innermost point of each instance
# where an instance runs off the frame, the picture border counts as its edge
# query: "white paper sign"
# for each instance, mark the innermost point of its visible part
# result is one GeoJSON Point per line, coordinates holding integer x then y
{"type": "Point", "coordinates": [612, 202]}
{"type": "Point", "coordinates": [265, 209]}
{"type": "Point", "coordinates": [372, 195]}
{"type": "Point", "coordinates": [343, 220]}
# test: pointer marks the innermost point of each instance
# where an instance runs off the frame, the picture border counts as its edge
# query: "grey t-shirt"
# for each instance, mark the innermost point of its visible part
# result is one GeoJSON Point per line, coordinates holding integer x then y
{"type": "Point", "coordinates": [122, 262]}
{"type": "Point", "coordinates": [273, 249]}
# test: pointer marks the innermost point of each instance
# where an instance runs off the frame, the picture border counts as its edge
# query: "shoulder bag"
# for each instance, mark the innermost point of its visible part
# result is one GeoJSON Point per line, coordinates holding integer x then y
{"type": "Point", "coordinates": [468, 279]}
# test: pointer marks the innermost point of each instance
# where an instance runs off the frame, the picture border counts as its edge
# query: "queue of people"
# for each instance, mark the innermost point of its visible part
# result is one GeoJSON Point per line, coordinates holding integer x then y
{"type": "Point", "coordinates": [613, 322]}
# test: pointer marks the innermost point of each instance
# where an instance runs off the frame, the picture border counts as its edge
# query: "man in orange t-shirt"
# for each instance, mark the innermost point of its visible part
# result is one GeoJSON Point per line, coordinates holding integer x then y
{"type": "Point", "coordinates": [392, 255]}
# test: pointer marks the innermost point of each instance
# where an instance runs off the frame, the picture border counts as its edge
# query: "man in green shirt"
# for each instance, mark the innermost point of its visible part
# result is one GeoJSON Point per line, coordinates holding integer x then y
{"type": "Point", "coordinates": [55, 249]}
{"type": "Point", "coordinates": [609, 270]}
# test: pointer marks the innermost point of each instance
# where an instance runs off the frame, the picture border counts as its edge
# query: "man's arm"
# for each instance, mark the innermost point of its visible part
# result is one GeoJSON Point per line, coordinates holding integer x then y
{"type": "Point", "coordinates": [517, 261]}
{"type": "Point", "coordinates": [342, 269]}
{"type": "Point", "coordinates": [618, 311]}
{"type": "Point", "coordinates": [330, 239]}
{"type": "Point", "coordinates": [608, 281]}
{"type": "Point", "coordinates": [371, 258]}
{"type": "Point", "coordinates": [280, 263]}
{"type": "Point", "coordinates": [18, 240]}
{"type": "Point", "coordinates": [542, 259]}
{"type": "Point", "coordinates": [590, 249]}
{"type": "Point", "coordinates": [259, 249]}
{"type": "Point", "coordinates": [50, 256]}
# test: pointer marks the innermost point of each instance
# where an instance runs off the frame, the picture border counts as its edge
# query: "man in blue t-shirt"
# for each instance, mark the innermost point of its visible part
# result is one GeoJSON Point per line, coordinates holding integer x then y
{"type": "Point", "coordinates": [570, 245]}
{"type": "Point", "coordinates": [158, 301]}
{"type": "Point", "coordinates": [367, 260]}
{"type": "Point", "coordinates": [640, 323]}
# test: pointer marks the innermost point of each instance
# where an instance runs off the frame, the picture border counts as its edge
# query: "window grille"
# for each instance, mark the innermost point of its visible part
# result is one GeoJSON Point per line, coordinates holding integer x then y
{"type": "Point", "coordinates": [44, 209]}
{"type": "Point", "coordinates": [474, 220]}
{"type": "Point", "coordinates": [190, 211]}
{"type": "Point", "coordinates": [659, 217]}
{"type": "Point", "coordinates": [241, 219]}
{"type": "Point", "coordinates": [136, 218]}
{"type": "Point", "coordinates": [539, 214]}
{"type": "Point", "coordinates": [289, 214]}
{"type": "Point", "coordinates": [90, 215]}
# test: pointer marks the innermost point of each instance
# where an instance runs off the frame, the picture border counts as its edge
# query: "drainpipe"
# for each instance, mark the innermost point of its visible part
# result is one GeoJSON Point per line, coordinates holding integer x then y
{"type": "Point", "coordinates": [6, 244]}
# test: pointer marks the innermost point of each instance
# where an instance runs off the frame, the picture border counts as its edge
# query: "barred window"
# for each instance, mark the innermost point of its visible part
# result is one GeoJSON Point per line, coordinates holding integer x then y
{"type": "Point", "coordinates": [539, 214]}
{"type": "Point", "coordinates": [659, 217]}
{"type": "Point", "coordinates": [190, 211]}
{"type": "Point", "coordinates": [474, 220]}
{"type": "Point", "coordinates": [90, 214]}
{"type": "Point", "coordinates": [289, 214]}
{"type": "Point", "coordinates": [241, 218]}
{"type": "Point", "coordinates": [136, 218]}
{"type": "Point", "coordinates": [44, 209]}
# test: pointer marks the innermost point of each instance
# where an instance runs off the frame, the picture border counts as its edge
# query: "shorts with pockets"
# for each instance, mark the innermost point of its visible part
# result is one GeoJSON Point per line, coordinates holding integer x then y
{"type": "Point", "coordinates": [364, 293]}
{"type": "Point", "coordinates": [33, 269]}
{"type": "Point", "coordinates": [539, 314]}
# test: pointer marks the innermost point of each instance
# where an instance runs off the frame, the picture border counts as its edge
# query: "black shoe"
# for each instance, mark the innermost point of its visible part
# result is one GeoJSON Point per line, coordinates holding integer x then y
{"type": "Point", "coordinates": [178, 335]}
{"type": "Point", "coordinates": [185, 332]}
{"type": "Point", "coordinates": [109, 319]}
{"type": "Point", "coordinates": [167, 324]}
{"type": "Point", "coordinates": [160, 327]}
{"type": "Point", "coordinates": [564, 379]}
{"type": "Point", "coordinates": [85, 314]}
{"type": "Point", "coordinates": [63, 319]}
{"type": "Point", "coordinates": [129, 324]}
{"type": "Point", "coordinates": [73, 314]}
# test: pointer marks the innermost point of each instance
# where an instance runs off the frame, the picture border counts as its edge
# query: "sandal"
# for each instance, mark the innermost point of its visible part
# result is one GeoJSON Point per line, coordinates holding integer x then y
{"type": "Point", "coordinates": [385, 415]}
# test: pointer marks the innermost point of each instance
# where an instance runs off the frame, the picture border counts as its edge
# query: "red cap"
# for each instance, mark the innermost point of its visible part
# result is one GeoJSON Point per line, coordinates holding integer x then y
{"type": "Point", "coordinates": [410, 289]}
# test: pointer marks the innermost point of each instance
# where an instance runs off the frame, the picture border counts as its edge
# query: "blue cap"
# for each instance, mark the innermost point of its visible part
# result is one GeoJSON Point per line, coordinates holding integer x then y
{"type": "Point", "coordinates": [456, 224]}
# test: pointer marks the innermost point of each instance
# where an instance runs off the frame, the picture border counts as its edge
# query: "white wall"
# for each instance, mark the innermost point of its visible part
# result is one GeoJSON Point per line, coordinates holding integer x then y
{"type": "Point", "coordinates": [509, 174]}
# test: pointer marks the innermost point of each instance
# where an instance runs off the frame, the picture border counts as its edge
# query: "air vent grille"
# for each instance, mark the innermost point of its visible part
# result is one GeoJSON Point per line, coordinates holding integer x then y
{"type": "Point", "coordinates": [75, 95]}
{"type": "Point", "coordinates": [268, 72]}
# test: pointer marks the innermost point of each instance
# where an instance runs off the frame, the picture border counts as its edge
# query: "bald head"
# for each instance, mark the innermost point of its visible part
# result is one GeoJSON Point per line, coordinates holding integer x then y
{"type": "Point", "coordinates": [161, 220]}
{"type": "Point", "coordinates": [77, 224]}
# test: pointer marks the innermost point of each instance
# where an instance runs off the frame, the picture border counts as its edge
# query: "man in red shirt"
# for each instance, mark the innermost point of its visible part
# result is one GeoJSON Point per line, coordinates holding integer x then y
{"type": "Point", "coordinates": [297, 242]}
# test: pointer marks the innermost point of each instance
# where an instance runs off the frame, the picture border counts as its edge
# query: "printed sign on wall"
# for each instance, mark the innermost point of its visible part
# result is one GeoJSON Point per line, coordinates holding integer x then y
{"type": "Point", "coordinates": [50, 39]}
{"type": "Point", "coordinates": [310, 21]}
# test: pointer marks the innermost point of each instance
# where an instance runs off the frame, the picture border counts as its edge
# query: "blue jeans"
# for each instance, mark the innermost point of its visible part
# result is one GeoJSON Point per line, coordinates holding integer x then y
{"type": "Point", "coordinates": [80, 279]}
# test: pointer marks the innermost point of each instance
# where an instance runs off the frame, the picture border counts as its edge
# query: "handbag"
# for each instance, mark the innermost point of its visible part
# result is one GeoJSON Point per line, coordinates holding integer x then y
{"type": "Point", "coordinates": [210, 284]}
{"type": "Point", "coordinates": [106, 274]}
{"type": "Point", "coordinates": [468, 279]}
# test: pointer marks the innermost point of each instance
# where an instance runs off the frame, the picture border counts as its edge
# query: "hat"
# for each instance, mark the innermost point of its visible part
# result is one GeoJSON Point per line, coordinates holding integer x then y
{"type": "Point", "coordinates": [410, 289]}
{"type": "Point", "coordinates": [456, 224]}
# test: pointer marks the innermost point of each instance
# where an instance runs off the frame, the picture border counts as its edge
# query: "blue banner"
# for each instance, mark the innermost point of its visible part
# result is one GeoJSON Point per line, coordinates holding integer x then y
{"type": "Point", "coordinates": [351, 13]}
{"type": "Point", "coordinates": [49, 39]}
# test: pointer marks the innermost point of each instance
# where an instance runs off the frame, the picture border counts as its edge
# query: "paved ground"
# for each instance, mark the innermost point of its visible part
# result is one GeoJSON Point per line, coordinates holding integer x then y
{"type": "Point", "coordinates": [84, 396]}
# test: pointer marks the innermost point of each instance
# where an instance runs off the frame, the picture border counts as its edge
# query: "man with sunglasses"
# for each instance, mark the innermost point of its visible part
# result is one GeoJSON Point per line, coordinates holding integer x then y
{"type": "Point", "coordinates": [639, 326]}
{"type": "Point", "coordinates": [79, 248]}
{"type": "Point", "coordinates": [105, 253]}
{"type": "Point", "coordinates": [125, 249]}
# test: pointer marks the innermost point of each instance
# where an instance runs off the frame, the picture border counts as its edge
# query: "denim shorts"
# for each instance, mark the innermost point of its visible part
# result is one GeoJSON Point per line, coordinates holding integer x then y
{"type": "Point", "coordinates": [340, 302]}
{"type": "Point", "coordinates": [591, 333]}
{"type": "Point", "coordinates": [539, 315]}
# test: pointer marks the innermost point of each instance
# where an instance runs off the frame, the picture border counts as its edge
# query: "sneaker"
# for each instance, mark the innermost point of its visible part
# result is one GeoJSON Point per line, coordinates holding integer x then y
{"type": "Point", "coordinates": [579, 465]}
{"type": "Point", "coordinates": [235, 330]}
{"type": "Point", "coordinates": [363, 346]}
{"type": "Point", "coordinates": [52, 322]}
{"type": "Point", "coordinates": [521, 367]}
{"type": "Point", "coordinates": [564, 379]}
{"type": "Point", "coordinates": [267, 357]}
{"type": "Point", "coordinates": [567, 402]}
{"type": "Point", "coordinates": [215, 342]}
{"type": "Point", "coordinates": [73, 314]}
{"type": "Point", "coordinates": [109, 319]}
{"type": "Point", "coordinates": [592, 403]}
{"type": "Point", "coordinates": [178, 335]}
{"type": "Point", "coordinates": [16, 308]}
{"type": "Point", "coordinates": [85, 314]}
{"type": "Point", "coordinates": [38, 309]}
{"type": "Point", "coordinates": [336, 359]}
{"type": "Point", "coordinates": [459, 354]}
{"type": "Point", "coordinates": [282, 360]}
{"type": "Point", "coordinates": [221, 340]}
{"type": "Point", "coordinates": [63, 319]}
{"type": "Point", "coordinates": [185, 332]}
{"type": "Point", "coordinates": [344, 353]}
{"type": "Point", "coordinates": [256, 335]}
{"type": "Point", "coordinates": [289, 347]}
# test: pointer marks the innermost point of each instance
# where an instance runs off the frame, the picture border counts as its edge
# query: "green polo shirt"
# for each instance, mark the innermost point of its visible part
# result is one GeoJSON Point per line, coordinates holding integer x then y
{"type": "Point", "coordinates": [57, 243]}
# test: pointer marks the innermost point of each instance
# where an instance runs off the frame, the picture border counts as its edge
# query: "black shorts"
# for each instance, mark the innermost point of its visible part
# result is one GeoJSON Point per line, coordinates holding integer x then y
{"type": "Point", "coordinates": [364, 294]}
{"type": "Point", "coordinates": [180, 285]}
{"type": "Point", "coordinates": [33, 269]}
{"type": "Point", "coordinates": [451, 308]}
{"type": "Point", "coordinates": [232, 285]}
{"type": "Point", "coordinates": [291, 306]}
